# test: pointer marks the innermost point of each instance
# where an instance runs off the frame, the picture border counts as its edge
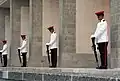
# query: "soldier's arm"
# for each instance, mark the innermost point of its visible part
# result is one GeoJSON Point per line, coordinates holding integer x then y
{"type": "Point", "coordinates": [100, 30]}
{"type": "Point", "coordinates": [23, 45]}
{"type": "Point", "coordinates": [53, 39]}
{"type": "Point", "coordinates": [4, 48]}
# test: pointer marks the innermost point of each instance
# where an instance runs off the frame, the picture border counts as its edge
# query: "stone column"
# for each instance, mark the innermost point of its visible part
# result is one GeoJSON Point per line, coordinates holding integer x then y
{"type": "Point", "coordinates": [8, 33]}
{"type": "Point", "coordinates": [25, 25]}
{"type": "Point", "coordinates": [35, 37]}
{"type": "Point", "coordinates": [50, 18]}
{"type": "Point", "coordinates": [2, 26]}
{"type": "Point", "coordinates": [15, 23]}
{"type": "Point", "coordinates": [67, 31]}
{"type": "Point", "coordinates": [115, 33]}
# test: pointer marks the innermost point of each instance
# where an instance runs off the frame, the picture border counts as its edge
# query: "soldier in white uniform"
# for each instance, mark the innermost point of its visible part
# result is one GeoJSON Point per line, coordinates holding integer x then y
{"type": "Point", "coordinates": [4, 52]}
{"type": "Point", "coordinates": [23, 50]}
{"type": "Point", "coordinates": [53, 46]}
{"type": "Point", "coordinates": [101, 37]}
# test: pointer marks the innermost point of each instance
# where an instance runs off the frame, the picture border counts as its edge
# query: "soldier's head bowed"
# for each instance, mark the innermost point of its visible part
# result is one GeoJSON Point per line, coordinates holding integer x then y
{"type": "Point", "coordinates": [100, 15]}
{"type": "Point", "coordinates": [51, 29]}
{"type": "Point", "coordinates": [4, 41]}
{"type": "Point", "coordinates": [23, 37]}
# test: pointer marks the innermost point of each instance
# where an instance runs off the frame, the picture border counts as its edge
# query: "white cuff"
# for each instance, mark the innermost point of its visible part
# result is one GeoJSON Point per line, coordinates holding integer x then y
{"type": "Point", "coordinates": [92, 36]}
{"type": "Point", "coordinates": [47, 43]}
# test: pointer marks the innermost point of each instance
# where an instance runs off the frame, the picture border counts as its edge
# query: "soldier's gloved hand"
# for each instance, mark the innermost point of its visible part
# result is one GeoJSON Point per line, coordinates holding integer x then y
{"type": "Point", "coordinates": [92, 36]}
{"type": "Point", "coordinates": [19, 48]}
{"type": "Point", "coordinates": [47, 44]}
{"type": "Point", "coordinates": [92, 47]}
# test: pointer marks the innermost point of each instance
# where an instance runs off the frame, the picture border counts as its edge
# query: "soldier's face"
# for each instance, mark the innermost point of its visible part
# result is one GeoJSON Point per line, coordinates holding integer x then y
{"type": "Point", "coordinates": [4, 43]}
{"type": "Point", "coordinates": [100, 17]}
{"type": "Point", "coordinates": [51, 30]}
{"type": "Point", "coordinates": [23, 38]}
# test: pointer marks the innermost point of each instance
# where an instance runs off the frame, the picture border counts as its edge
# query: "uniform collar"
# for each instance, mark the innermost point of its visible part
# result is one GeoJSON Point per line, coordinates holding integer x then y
{"type": "Point", "coordinates": [102, 20]}
{"type": "Point", "coordinates": [24, 40]}
{"type": "Point", "coordinates": [53, 32]}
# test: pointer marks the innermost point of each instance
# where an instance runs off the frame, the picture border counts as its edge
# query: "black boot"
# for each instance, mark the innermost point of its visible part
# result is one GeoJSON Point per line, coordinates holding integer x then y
{"type": "Point", "coordinates": [103, 67]}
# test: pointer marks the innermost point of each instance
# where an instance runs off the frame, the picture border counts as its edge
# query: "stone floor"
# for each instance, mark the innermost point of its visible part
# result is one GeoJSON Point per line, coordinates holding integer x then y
{"type": "Point", "coordinates": [59, 74]}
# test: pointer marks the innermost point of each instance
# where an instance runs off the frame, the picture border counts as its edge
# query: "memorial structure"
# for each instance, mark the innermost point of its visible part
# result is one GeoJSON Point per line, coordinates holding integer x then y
{"type": "Point", "coordinates": [74, 21]}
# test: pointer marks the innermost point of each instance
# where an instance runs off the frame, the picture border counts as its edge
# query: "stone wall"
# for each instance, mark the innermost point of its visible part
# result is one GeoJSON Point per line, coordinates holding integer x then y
{"type": "Point", "coordinates": [3, 12]}
{"type": "Point", "coordinates": [25, 26]}
{"type": "Point", "coordinates": [86, 22]}
{"type": "Point", "coordinates": [36, 58]}
{"type": "Point", "coordinates": [15, 24]}
{"type": "Point", "coordinates": [67, 42]}
{"type": "Point", "coordinates": [8, 33]}
{"type": "Point", "coordinates": [2, 26]}
{"type": "Point", "coordinates": [115, 33]}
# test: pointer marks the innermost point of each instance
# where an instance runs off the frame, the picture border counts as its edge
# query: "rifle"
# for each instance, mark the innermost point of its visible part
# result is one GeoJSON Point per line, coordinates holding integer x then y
{"type": "Point", "coordinates": [95, 52]}
{"type": "Point", "coordinates": [1, 57]}
{"type": "Point", "coordinates": [47, 46]}
{"type": "Point", "coordinates": [19, 55]}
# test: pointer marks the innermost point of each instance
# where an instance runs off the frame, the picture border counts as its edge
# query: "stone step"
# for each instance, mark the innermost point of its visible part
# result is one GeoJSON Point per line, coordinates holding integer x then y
{"type": "Point", "coordinates": [58, 74]}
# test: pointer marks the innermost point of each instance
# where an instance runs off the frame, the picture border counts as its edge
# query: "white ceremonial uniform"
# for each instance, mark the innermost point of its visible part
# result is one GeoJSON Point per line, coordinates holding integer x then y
{"type": "Point", "coordinates": [101, 33]}
{"type": "Point", "coordinates": [4, 50]}
{"type": "Point", "coordinates": [53, 41]}
{"type": "Point", "coordinates": [23, 47]}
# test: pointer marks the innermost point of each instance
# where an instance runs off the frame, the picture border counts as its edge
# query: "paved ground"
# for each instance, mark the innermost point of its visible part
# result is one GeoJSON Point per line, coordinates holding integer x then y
{"type": "Point", "coordinates": [59, 74]}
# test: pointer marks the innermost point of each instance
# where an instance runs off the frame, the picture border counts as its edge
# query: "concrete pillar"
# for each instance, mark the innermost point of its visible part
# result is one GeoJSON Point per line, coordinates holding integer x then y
{"type": "Point", "coordinates": [25, 25]}
{"type": "Point", "coordinates": [35, 38]}
{"type": "Point", "coordinates": [115, 33]}
{"type": "Point", "coordinates": [67, 38]}
{"type": "Point", "coordinates": [50, 17]}
{"type": "Point", "coordinates": [3, 12]}
{"type": "Point", "coordinates": [8, 33]}
{"type": "Point", "coordinates": [2, 26]}
{"type": "Point", "coordinates": [15, 23]}
{"type": "Point", "coordinates": [7, 29]}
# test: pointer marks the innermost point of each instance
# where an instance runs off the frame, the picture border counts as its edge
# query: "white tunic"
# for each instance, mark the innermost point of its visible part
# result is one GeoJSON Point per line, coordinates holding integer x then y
{"type": "Point", "coordinates": [53, 41]}
{"type": "Point", "coordinates": [101, 33]}
{"type": "Point", "coordinates": [23, 47]}
{"type": "Point", "coordinates": [4, 50]}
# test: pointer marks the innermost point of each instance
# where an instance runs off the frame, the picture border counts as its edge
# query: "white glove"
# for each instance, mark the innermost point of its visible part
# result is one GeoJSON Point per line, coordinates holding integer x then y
{"type": "Point", "coordinates": [92, 36]}
{"type": "Point", "coordinates": [47, 43]}
{"type": "Point", "coordinates": [19, 48]}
